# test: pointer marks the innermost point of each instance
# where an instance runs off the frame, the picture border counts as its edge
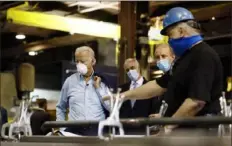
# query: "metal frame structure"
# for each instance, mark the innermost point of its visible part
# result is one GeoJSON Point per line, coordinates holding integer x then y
{"type": "Point", "coordinates": [72, 24]}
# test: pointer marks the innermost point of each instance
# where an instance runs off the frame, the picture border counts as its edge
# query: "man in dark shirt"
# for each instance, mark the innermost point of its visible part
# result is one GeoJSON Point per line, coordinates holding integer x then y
{"type": "Point", "coordinates": [39, 117]}
{"type": "Point", "coordinates": [194, 83]}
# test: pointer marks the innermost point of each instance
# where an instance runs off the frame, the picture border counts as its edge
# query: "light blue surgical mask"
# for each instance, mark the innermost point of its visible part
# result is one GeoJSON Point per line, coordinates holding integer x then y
{"type": "Point", "coordinates": [164, 65]}
{"type": "Point", "coordinates": [133, 75]}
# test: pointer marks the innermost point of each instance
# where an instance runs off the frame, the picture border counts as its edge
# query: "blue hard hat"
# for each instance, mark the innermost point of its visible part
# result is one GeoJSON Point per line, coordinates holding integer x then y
{"type": "Point", "coordinates": [175, 15]}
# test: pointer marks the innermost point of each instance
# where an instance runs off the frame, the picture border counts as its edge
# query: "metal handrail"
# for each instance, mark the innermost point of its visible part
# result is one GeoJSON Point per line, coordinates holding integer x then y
{"type": "Point", "coordinates": [147, 121]}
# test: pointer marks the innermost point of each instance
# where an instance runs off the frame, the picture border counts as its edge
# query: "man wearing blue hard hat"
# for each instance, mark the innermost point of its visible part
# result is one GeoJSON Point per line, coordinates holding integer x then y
{"type": "Point", "coordinates": [193, 85]}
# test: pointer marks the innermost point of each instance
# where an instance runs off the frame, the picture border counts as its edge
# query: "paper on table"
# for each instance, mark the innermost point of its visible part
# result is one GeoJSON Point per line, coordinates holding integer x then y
{"type": "Point", "coordinates": [69, 134]}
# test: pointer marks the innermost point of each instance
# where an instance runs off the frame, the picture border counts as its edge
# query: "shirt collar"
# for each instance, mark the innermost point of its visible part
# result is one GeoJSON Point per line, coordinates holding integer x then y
{"type": "Point", "coordinates": [139, 82]}
{"type": "Point", "coordinates": [82, 77]}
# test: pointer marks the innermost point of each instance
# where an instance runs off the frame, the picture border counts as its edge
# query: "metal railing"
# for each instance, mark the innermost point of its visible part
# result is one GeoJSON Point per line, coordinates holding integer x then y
{"type": "Point", "coordinates": [146, 121]}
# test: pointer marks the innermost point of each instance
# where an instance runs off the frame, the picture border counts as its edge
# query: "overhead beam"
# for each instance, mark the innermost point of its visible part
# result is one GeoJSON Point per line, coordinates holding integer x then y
{"type": "Point", "coordinates": [46, 44]}
{"type": "Point", "coordinates": [206, 13]}
{"type": "Point", "coordinates": [68, 24]}
{"type": "Point", "coordinates": [27, 30]}
{"type": "Point", "coordinates": [159, 3]}
{"type": "Point", "coordinates": [217, 11]}
{"type": "Point", "coordinates": [57, 42]}
{"type": "Point", "coordinates": [12, 4]}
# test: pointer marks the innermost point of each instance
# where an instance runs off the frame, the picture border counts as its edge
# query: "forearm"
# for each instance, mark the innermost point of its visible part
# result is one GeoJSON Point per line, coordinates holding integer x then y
{"type": "Point", "coordinates": [189, 108]}
{"type": "Point", "coordinates": [148, 90]}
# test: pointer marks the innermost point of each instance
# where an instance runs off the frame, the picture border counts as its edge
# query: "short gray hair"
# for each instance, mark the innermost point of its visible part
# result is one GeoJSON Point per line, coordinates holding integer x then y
{"type": "Point", "coordinates": [132, 60]}
{"type": "Point", "coordinates": [164, 45]}
{"type": "Point", "coordinates": [188, 28]}
{"type": "Point", "coordinates": [85, 48]}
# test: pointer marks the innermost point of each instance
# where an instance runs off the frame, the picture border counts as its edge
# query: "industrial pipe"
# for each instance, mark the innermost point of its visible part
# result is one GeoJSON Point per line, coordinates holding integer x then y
{"type": "Point", "coordinates": [147, 121]}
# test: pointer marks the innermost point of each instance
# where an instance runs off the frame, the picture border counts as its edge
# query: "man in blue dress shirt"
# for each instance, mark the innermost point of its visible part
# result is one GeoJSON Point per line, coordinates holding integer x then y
{"type": "Point", "coordinates": [82, 94]}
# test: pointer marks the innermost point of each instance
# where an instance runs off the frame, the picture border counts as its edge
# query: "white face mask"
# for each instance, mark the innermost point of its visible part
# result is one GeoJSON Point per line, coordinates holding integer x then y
{"type": "Point", "coordinates": [82, 68]}
{"type": "Point", "coordinates": [133, 75]}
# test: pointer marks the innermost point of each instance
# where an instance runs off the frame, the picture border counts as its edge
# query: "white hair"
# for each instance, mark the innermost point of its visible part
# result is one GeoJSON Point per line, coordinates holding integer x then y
{"type": "Point", "coordinates": [86, 48]}
{"type": "Point", "coordinates": [191, 31]}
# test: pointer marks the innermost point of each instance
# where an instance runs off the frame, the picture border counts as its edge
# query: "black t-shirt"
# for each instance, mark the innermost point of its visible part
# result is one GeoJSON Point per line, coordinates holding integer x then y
{"type": "Point", "coordinates": [197, 74]}
{"type": "Point", "coordinates": [38, 118]}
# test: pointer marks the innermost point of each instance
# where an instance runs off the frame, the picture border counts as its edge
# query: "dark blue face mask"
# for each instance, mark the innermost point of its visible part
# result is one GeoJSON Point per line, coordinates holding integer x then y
{"type": "Point", "coordinates": [181, 45]}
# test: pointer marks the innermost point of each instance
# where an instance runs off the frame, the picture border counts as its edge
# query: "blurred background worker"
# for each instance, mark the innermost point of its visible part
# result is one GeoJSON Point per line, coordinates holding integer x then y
{"type": "Point", "coordinates": [132, 108]}
{"type": "Point", "coordinates": [194, 84]}
{"type": "Point", "coordinates": [39, 117]}
{"type": "Point", "coordinates": [164, 58]}
{"type": "Point", "coordinates": [3, 116]}
{"type": "Point", "coordinates": [82, 93]}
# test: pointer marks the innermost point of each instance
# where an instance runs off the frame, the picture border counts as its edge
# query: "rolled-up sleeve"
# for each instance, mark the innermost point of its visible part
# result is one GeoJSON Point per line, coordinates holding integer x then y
{"type": "Point", "coordinates": [163, 81]}
{"type": "Point", "coordinates": [61, 107]}
{"type": "Point", "coordinates": [103, 91]}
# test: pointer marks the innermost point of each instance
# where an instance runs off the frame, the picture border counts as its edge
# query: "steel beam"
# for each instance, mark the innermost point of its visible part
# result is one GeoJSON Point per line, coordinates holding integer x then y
{"type": "Point", "coordinates": [127, 21]}
{"type": "Point", "coordinates": [73, 24]}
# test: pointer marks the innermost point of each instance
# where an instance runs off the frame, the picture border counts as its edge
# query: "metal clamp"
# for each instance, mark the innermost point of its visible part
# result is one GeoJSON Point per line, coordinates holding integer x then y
{"type": "Point", "coordinates": [162, 112]}
{"type": "Point", "coordinates": [113, 120]}
{"type": "Point", "coordinates": [21, 123]}
{"type": "Point", "coordinates": [226, 111]}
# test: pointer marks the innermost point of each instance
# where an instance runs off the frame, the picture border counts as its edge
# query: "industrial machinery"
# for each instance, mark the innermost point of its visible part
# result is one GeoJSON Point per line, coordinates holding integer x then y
{"type": "Point", "coordinates": [177, 138]}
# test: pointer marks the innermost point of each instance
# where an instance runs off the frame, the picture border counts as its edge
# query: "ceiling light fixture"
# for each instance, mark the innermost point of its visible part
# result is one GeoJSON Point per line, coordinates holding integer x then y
{"type": "Point", "coordinates": [32, 53]}
{"type": "Point", "coordinates": [20, 36]}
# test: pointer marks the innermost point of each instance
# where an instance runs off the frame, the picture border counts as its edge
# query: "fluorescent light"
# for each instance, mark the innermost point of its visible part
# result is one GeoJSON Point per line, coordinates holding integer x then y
{"type": "Point", "coordinates": [157, 72]}
{"type": "Point", "coordinates": [32, 53]}
{"type": "Point", "coordinates": [101, 6]}
{"type": "Point", "coordinates": [72, 33]}
{"type": "Point", "coordinates": [116, 39]}
{"type": "Point", "coordinates": [84, 3]}
{"type": "Point", "coordinates": [20, 36]}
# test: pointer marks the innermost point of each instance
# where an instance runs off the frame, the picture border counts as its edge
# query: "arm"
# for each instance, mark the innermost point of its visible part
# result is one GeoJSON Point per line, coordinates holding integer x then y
{"type": "Point", "coordinates": [148, 90]}
{"type": "Point", "coordinates": [102, 92]}
{"type": "Point", "coordinates": [61, 107]}
{"type": "Point", "coordinates": [189, 108]}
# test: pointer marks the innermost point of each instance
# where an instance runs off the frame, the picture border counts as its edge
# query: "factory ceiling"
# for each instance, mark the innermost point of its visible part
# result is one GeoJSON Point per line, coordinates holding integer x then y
{"type": "Point", "coordinates": [102, 11]}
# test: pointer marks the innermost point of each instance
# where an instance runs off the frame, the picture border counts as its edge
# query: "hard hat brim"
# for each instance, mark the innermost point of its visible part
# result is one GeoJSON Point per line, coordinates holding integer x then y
{"type": "Point", "coordinates": [164, 30]}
